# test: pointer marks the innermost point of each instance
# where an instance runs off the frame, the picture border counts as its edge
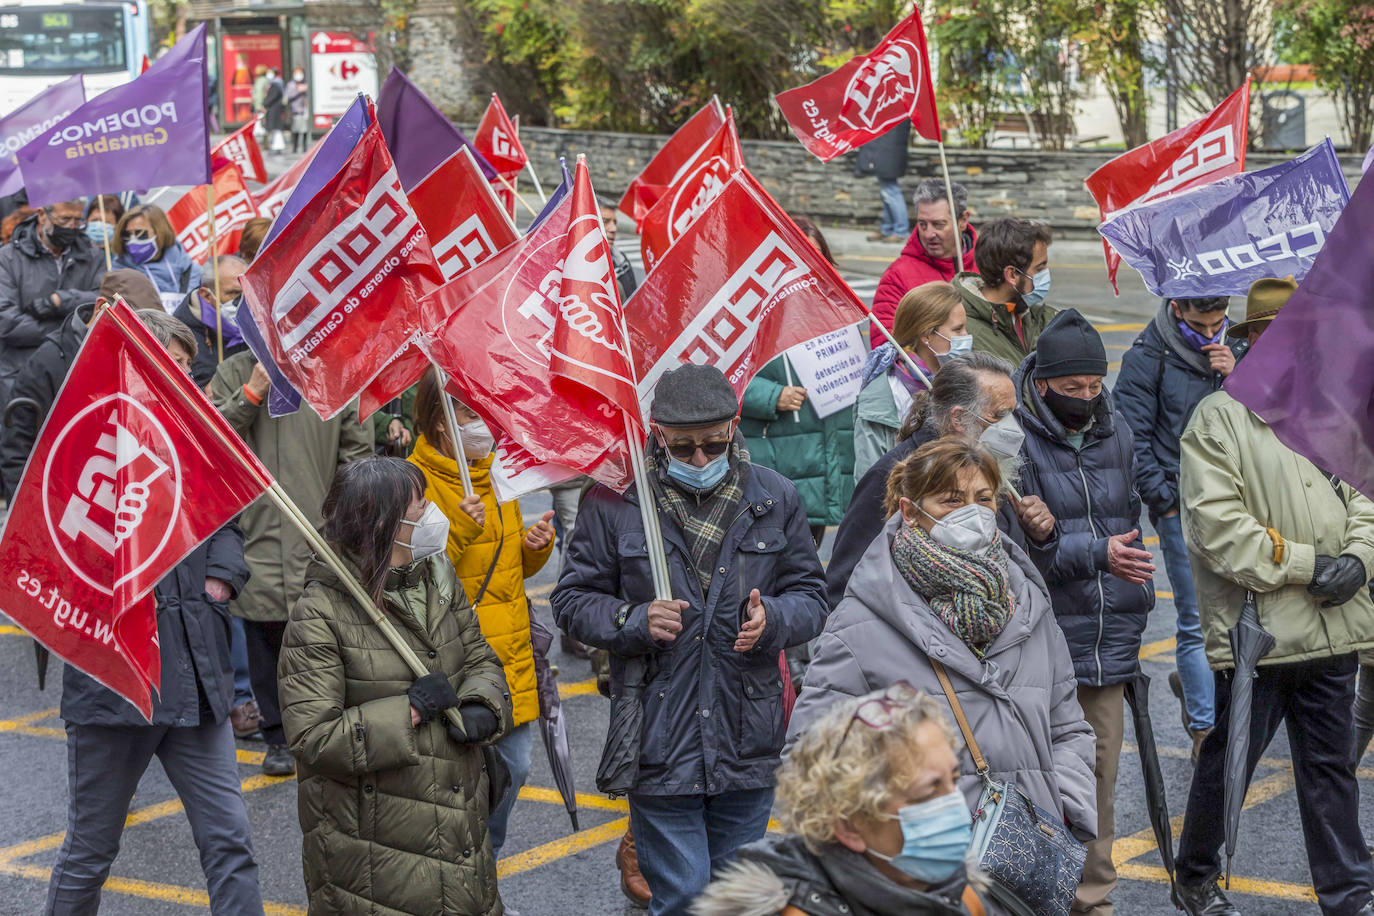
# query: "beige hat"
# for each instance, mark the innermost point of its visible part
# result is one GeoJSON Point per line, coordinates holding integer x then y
{"type": "Point", "coordinates": [1262, 304]}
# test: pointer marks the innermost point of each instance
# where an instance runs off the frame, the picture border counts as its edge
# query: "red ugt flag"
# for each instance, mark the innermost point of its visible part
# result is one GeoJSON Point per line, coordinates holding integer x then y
{"type": "Point", "coordinates": [687, 200]}
{"type": "Point", "coordinates": [234, 207]}
{"type": "Point", "coordinates": [864, 98]}
{"type": "Point", "coordinates": [133, 468]}
{"type": "Point", "coordinates": [497, 140]}
{"type": "Point", "coordinates": [504, 333]}
{"type": "Point", "coordinates": [241, 148]}
{"type": "Point", "coordinates": [740, 286]}
{"type": "Point", "coordinates": [1211, 147]}
{"type": "Point", "coordinates": [670, 164]}
{"type": "Point", "coordinates": [466, 225]}
{"type": "Point", "coordinates": [335, 293]}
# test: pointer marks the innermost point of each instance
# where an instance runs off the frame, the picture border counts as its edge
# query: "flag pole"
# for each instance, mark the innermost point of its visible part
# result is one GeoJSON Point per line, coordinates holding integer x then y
{"type": "Point", "coordinates": [214, 269]}
{"type": "Point", "coordinates": [901, 351]}
{"type": "Point", "coordinates": [529, 163]}
{"type": "Point", "coordinates": [648, 511]}
{"type": "Point", "coordinates": [510, 187]}
{"type": "Point", "coordinates": [101, 199]}
{"type": "Point", "coordinates": [458, 454]}
{"type": "Point", "coordinates": [293, 514]}
{"type": "Point", "coordinates": [953, 216]}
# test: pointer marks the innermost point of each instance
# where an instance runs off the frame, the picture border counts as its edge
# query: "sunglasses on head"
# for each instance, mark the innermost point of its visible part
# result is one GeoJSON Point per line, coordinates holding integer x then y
{"type": "Point", "coordinates": [877, 713]}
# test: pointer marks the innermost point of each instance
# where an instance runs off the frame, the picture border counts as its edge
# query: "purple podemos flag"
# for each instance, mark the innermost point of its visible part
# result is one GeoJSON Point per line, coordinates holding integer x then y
{"type": "Point", "coordinates": [149, 132]}
{"type": "Point", "coordinates": [417, 133]}
{"type": "Point", "coordinates": [38, 114]}
{"type": "Point", "coordinates": [1311, 376]}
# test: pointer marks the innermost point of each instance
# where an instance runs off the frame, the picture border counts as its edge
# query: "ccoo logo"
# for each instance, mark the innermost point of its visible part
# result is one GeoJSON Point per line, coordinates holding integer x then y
{"type": "Point", "coordinates": [881, 91]}
{"type": "Point", "coordinates": [111, 491]}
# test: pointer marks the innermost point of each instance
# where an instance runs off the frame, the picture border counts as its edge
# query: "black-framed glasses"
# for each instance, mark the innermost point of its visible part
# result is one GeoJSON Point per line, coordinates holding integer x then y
{"type": "Point", "coordinates": [686, 451]}
{"type": "Point", "coordinates": [141, 235]}
{"type": "Point", "coordinates": [877, 713]}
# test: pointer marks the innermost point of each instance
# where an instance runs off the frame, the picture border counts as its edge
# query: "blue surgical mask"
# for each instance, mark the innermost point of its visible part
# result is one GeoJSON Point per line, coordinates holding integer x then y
{"type": "Point", "coordinates": [1039, 291]}
{"type": "Point", "coordinates": [936, 836]}
{"type": "Point", "coordinates": [702, 478]}
{"type": "Point", "coordinates": [99, 233]}
{"type": "Point", "coordinates": [141, 251]}
{"type": "Point", "coordinates": [958, 346]}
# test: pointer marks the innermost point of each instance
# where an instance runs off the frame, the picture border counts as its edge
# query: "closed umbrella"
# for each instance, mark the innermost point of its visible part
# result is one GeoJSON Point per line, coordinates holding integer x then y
{"type": "Point", "coordinates": [619, 768]}
{"type": "Point", "coordinates": [1249, 643]}
{"type": "Point", "coordinates": [1137, 696]}
{"type": "Point", "coordinates": [553, 728]}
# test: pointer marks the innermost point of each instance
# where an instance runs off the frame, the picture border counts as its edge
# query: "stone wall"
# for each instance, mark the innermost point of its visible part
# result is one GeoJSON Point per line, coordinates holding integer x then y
{"type": "Point", "coordinates": [1033, 184]}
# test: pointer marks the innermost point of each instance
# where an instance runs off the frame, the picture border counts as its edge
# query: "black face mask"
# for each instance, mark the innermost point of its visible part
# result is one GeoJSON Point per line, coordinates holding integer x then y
{"type": "Point", "coordinates": [64, 237]}
{"type": "Point", "coordinates": [1073, 412]}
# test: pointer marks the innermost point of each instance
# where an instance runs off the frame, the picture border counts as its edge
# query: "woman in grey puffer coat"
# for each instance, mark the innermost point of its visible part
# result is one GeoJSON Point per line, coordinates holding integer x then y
{"type": "Point", "coordinates": [1018, 690]}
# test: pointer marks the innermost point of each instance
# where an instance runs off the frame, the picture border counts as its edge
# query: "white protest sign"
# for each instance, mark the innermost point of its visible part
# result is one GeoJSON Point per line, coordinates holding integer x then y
{"type": "Point", "coordinates": [829, 368]}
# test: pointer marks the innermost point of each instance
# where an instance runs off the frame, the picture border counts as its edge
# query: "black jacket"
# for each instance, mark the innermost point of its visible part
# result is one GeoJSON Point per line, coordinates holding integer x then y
{"type": "Point", "coordinates": [713, 718]}
{"type": "Point", "coordinates": [206, 360]}
{"type": "Point", "coordinates": [1091, 492]}
{"type": "Point", "coordinates": [193, 638]}
{"type": "Point", "coordinates": [39, 382]}
{"type": "Point", "coordinates": [1162, 379]}
{"type": "Point", "coordinates": [863, 520]}
{"type": "Point", "coordinates": [29, 275]}
{"type": "Point", "coordinates": [884, 158]}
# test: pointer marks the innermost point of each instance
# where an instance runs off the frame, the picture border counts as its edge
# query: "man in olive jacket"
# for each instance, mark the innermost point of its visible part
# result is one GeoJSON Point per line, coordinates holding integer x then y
{"type": "Point", "coordinates": [1005, 300]}
{"type": "Point", "coordinates": [302, 453]}
{"type": "Point", "coordinates": [1260, 518]}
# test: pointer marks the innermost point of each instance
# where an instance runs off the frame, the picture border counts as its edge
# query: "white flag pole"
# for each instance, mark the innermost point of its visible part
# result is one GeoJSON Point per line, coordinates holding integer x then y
{"type": "Point", "coordinates": [453, 437]}
{"type": "Point", "coordinates": [953, 213]}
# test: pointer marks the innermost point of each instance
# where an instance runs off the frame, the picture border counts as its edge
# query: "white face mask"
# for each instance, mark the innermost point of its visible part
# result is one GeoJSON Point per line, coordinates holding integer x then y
{"type": "Point", "coordinates": [970, 528]}
{"type": "Point", "coordinates": [428, 535]}
{"type": "Point", "coordinates": [477, 440]}
{"type": "Point", "coordinates": [1003, 438]}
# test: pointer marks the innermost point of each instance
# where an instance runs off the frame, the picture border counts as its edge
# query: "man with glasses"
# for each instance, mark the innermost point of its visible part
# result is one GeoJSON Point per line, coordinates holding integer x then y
{"type": "Point", "coordinates": [48, 269]}
{"type": "Point", "coordinates": [745, 583]}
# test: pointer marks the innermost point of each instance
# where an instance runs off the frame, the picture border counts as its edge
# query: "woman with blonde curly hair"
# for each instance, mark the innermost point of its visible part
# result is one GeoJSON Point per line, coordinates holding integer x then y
{"type": "Point", "coordinates": [875, 824]}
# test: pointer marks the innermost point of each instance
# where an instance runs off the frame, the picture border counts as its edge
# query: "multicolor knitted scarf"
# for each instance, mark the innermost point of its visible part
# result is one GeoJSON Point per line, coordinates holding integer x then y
{"type": "Point", "coordinates": [703, 517]}
{"type": "Point", "coordinates": [970, 593]}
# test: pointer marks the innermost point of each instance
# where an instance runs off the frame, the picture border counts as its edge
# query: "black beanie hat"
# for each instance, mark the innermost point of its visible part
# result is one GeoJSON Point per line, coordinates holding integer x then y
{"type": "Point", "coordinates": [693, 395]}
{"type": "Point", "coordinates": [1069, 345]}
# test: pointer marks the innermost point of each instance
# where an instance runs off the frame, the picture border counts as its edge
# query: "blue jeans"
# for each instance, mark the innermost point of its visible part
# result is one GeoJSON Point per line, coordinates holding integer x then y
{"type": "Point", "coordinates": [1199, 687]}
{"type": "Point", "coordinates": [683, 841]}
{"type": "Point", "coordinates": [893, 220]}
{"type": "Point", "coordinates": [238, 655]}
{"type": "Point", "coordinates": [515, 751]}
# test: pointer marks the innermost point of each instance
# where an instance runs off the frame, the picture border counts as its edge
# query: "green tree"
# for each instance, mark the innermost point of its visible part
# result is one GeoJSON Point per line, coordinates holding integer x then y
{"type": "Point", "coordinates": [1112, 47]}
{"type": "Point", "coordinates": [1337, 38]}
{"type": "Point", "coordinates": [971, 45]}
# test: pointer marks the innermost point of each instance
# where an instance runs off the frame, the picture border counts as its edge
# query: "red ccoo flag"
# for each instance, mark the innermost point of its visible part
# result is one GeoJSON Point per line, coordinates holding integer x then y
{"type": "Point", "coordinates": [702, 183]}
{"type": "Point", "coordinates": [234, 207]}
{"type": "Point", "coordinates": [241, 148]}
{"type": "Point", "coordinates": [739, 287]}
{"type": "Point", "coordinates": [864, 98]}
{"type": "Point", "coordinates": [116, 492]}
{"type": "Point", "coordinates": [670, 164]}
{"type": "Point", "coordinates": [497, 140]}
{"type": "Point", "coordinates": [1211, 147]}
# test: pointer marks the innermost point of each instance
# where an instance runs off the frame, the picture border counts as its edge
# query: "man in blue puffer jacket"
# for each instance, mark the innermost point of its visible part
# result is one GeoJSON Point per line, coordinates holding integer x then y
{"type": "Point", "coordinates": [1079, 460]}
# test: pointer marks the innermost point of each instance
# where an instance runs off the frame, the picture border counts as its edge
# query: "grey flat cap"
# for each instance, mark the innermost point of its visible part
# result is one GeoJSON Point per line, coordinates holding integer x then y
{"type": "Point", "coordinates": [693, 395]}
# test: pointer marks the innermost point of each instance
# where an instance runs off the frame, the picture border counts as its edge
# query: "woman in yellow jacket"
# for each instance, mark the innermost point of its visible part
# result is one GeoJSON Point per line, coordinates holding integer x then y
{"type": "Point", "coordinates": [493, 554]}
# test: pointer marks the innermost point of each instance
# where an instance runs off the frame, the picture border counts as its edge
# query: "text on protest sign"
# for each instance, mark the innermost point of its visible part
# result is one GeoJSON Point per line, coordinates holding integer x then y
{"type": "Point", "coordinates": [830, 368]}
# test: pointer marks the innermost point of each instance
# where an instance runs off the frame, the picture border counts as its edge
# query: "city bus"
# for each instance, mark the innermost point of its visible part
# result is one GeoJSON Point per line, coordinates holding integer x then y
{"type": "Point", "coordinates": [42, 43]}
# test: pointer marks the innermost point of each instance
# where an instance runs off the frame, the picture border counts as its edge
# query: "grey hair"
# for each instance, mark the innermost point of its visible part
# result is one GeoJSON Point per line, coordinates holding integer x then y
{"type": "Point", "coordinates": [218, 264]}
{"type": "Point", "coordinates": [957, 384]}
{"type": "Point", "coordinates": [932, 191]}
{"type": "Point", "coordinates": [167, 329]}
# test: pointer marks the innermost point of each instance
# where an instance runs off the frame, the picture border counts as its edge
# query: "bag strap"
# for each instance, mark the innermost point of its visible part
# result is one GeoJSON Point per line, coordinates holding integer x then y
{"type": "Point", "coordinates": [486, 580]}
{"type": "Point", "coordinates": [969, 740]}
{"type": "Point", "coordinates": [972, 903]}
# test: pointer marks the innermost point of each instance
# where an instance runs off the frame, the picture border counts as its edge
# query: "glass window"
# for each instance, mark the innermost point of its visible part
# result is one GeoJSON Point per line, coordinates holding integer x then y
{"type": "Point", "coordinates": [61, 39]}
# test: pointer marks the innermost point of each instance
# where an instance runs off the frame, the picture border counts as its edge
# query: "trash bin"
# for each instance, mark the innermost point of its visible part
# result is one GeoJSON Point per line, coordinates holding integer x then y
{"type": "Point", "coordinates": [1283, 120]}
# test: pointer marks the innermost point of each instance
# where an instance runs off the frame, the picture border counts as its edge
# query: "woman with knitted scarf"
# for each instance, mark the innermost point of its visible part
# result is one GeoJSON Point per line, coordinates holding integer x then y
{"type": "Point", "coordinates": [941, 584]}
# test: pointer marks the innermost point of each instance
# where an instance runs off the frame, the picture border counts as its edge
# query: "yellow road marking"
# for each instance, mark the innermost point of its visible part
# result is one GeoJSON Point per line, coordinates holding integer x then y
{"type": "Point", "coordinates": [562, 848]}
{"type": "Point", "coordinates": [1109, 328]}
{"type": "Point", "coordinates": [539, 591]}
{"type": "Point", "coordinates": [23, 725]}
{"type": "Point", "coordinates": [577, 688]}
{"type": "Point", "coordinates": [149, 890]}
{"type": "Point", "coordinates": [1159, 647]}
{"type": "Point", "coordinates": [552, 797]}
{"type": "Point", "coordinates": [12, 631]}
{"type": "Point", "coordinates": [1275, 889]}
{"type": "Point", "coordinates": [1151, 541]}
{"type": "Point", "coordinates": [1169, 596]}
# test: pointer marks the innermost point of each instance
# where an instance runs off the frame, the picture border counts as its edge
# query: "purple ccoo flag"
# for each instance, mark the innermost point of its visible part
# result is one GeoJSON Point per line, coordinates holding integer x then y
{"type": "Point", "coordinates": [38, 114]}
{"type": "Point", "coordinates": [149, 132]}
{"type": "Point", "coordinates": [1218, 239]}
{"type": "Point", "coordinates": [419, 136]}
{"type": "Point", "coordinates": [1311, 376]}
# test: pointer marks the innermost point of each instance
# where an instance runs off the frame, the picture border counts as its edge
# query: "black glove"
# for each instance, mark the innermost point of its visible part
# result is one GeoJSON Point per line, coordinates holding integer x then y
{"type": "Point", "coordinates": [479, 723]}
{"type": "Point", "coordinates": [1319, 566]}
{"type": "Point", "coordinates": [1338, 580]}
{"type": "Point", "coordinates": [431, 695]}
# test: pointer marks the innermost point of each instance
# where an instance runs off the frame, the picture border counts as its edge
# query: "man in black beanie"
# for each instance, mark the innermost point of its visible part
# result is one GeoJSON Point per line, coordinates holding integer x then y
{"type": "Point", "coordinates": [1079, 460]}
{"type": "Point", "coordinates": [746, 584]}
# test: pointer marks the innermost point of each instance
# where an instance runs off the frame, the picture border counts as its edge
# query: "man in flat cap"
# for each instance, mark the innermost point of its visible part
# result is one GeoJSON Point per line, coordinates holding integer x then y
{"type": "Point", "coordinates": [1260, 518]}
{"type": "Point", "coordinates": [746, 584]}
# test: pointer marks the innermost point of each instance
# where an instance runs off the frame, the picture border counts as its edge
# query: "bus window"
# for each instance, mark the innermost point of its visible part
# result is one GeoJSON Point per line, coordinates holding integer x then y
{"type": "Point", "coordinates": [60, 40]}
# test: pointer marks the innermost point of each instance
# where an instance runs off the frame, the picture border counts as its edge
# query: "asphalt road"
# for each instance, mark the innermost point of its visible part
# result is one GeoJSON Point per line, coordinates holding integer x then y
{"type": "Point", "coordinates": [547, 869]}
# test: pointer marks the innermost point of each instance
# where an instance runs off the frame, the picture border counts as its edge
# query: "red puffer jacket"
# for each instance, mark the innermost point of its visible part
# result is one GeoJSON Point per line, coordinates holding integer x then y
{"type": "Point", "coordinates": [912, 268]}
